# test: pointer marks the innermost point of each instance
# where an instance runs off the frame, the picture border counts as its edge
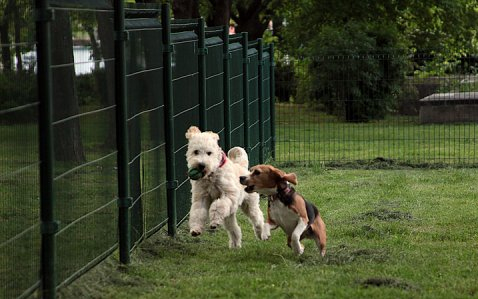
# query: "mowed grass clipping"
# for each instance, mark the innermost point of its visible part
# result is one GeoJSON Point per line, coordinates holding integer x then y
{"type": "Point", "coordinates": [391, 234]}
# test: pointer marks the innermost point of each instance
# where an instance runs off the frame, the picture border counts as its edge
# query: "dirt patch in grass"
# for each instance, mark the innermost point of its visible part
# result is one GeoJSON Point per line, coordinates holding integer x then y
{"type": "Point", "coordinates": [387, 282]}
{"type": "Point", "coordinates": [346, 255]}
{"type": "Point", "coordinates": [386, 215]}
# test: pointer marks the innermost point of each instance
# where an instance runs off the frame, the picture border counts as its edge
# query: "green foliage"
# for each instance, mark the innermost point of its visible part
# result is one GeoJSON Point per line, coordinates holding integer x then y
{"type": "Point", "coordinates": [342, 35]}
{"type": "Point", "coordinates": [357, 73]}
{"type": "Point", "coordinates": [18, 89]}
{"type": "Point", "coordinates": [87, 87]}
{"type": "Point", "coordinates": [449, 25]}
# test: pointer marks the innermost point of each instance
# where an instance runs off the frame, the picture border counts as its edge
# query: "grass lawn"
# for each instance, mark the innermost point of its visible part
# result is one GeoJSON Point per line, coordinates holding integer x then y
{"type": "Point", "coordinates": [304, 134]}
{"type": "Point", "coordinates": [391, 234]}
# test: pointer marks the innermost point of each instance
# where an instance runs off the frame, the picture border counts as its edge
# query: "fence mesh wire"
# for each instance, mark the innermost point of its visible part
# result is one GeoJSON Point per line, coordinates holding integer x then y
{"type": "Point", "coordinates": [85, 176]}
{"type": "Point", "coordinates": [19, 175]}
{"type": "Point", "coordinates": [236, 81]}
{"type": "Point", "coordinates": [253, 106]}
{"type": "Point", "coordinates": [186, 112]}
{"type": "Point", "coordinates": [345, 108]}
{"type": "Point", "coordinates": [144, 80]}
{"type": "Point", "coordinates": [214, 84]}
{"type": "Point", "coordinates": [266, 104]}
{"type": "Point", "coordinates": [86, 141]}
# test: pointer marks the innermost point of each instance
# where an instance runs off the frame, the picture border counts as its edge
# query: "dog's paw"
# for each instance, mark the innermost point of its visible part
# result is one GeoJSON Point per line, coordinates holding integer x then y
{"type": "Point", "coordinates": [301, 249]}
{"type": "Point", "coordinates": [235, 244]}
{"type": "Point", "coordinates": [266, 230]}
{"type": "Point", "coordinates": [298, 248]}
{"type": "Point", "coordinates": [215, 223]}
{"type": "Point", "coordinates": [195, 233]}
{"type": "Point", "coordinates": [265, 233]}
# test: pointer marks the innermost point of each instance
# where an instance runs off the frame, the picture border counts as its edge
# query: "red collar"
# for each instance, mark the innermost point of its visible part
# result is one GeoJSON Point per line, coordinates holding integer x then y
{"type": "Point", "coordinates": [223, 160]}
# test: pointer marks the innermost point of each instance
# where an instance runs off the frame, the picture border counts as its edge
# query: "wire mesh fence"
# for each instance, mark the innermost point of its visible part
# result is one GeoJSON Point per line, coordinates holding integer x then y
{"type": "Point", "coordinates": [19, 152]}
{"type": "Point", "coordinates": [404, 108]}
{"type": "Point", "coordinates": [102, 96]}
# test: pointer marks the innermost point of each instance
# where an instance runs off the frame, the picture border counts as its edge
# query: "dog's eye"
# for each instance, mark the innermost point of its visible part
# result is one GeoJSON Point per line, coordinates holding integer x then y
{"type": "Point", "coordinates": [209, 153]}
{"type": "Point", "coordinates": [196, 152]}
{"type": "Point", "coordinates": [256, 172]}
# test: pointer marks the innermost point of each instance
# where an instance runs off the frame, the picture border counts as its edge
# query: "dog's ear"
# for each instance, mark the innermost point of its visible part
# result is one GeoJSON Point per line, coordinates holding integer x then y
{"type": "Point", "coordinates": [290, 177]}
{"type": "Point", "coordinates": [193, 130]}
{"type": "Point", "coordinates": [213, 135]}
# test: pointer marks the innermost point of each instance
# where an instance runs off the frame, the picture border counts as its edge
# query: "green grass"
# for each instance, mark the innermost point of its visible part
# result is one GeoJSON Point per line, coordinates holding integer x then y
{"type": "Point", "coordinates": [85, 201]}
{"type": "Point", "coordinates": [304, 134]}
{"type": "Point", "coordinates": [391, 234]}
{"type": "Point", "coordinates": [366, 247]}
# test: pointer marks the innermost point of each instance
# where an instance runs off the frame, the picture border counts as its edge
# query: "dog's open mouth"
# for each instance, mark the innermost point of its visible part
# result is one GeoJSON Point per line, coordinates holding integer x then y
{"type": "Point", "coordinates": [249, 189]}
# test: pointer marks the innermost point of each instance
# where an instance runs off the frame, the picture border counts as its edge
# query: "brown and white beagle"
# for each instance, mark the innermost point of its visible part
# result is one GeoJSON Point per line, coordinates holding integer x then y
{"type": "Point", "coordinates": [297, 217]}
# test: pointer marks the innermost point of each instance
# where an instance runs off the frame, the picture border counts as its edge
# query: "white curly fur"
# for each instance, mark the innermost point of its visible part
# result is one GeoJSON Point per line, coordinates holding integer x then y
{"type": "Point", "coordinates": [219, 194]}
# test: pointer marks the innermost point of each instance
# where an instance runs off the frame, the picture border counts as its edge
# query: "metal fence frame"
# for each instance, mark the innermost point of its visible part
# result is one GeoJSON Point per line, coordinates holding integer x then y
{"type": "Point", "coordinates": [247, 121]}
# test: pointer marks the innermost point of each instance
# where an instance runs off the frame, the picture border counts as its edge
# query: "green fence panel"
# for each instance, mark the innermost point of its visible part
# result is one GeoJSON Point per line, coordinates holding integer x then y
{"type": "Point", "coordinates": [107, 114]}
{"type": "Point", "coordinates": [253, 104]}
{"type": "Point", "coordinates": [19, 165]}
{"type": "Point", "coordinates": [186, 107]}
{"type": "Point", "coordinates": [214, 85]}
{"type": "Point", "coordinates": [92, 4]}
{"type": "Point", "coordinates": [85, 175]}
{"type": "Point", "coordinates": [236, 77]}
{"type": "Point", "coordinates": [145, 116]}
{"type": "Point", "coordinates": [266, 104]}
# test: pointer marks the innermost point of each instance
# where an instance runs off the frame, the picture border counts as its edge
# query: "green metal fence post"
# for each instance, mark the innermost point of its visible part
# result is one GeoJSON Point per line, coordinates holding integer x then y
{"type": "Point", "coordinates": [272, 101]}
{"type": "Point", "coordinates": [169, 120]}
{"type": "Point", "coordinates": [260, 94]}
{"type": "Point", "coordinates": [202, 52]}
{"type": "Point", "coordinates": [226, 87]}
{"type": "Point", "coordinates": [44, 15]}
{"type": "Point", "coordinates": [245, 88]}
{"type": "Point", "coordinates": [124, 198]}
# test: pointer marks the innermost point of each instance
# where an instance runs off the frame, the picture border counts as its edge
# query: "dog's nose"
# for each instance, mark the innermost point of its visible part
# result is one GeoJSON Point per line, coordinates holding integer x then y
{"type": "Point", "coordinates": [242, 179]}
{"type": "Point", "coordinates": [201, 166]}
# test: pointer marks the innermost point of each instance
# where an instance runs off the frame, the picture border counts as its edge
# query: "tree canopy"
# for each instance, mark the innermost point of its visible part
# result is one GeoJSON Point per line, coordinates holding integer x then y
{"type": "Point", "coordinates": [419, 24]}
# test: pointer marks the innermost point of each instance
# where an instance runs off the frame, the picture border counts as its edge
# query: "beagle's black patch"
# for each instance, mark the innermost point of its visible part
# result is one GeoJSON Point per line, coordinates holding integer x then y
{"type": "Point", "coordinates": [312, 211]}
{"type": "Point", "coordinates": [286, 196]}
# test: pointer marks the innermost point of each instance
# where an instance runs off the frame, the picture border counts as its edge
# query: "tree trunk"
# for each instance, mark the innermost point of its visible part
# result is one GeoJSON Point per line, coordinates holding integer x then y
{"type": "Point", "coordinates": [5, 41]}
{"type": "Point", "coordinates": [4, 36]}
{"type": "Point", "coordinates": [186, 9]}
{"type": "Point", "coordinates": [94, 46]}
{"type": "Point", "coordinates": [107, 85]}
{"type": "Point", "coordinates": [248, 19]}
{"type": "Point", "coordinates": [68, 145]}
{"type": "Point", "coordinates": [221, 13]}
{"type": "Point", "coordinates": [17, 27]}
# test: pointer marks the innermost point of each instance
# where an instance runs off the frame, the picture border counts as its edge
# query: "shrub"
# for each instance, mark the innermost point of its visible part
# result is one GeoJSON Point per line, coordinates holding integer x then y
{"type": "Point", "coordinates": [285, 78]}
{"type": "Point", "coordinates": [357, 71]}
{"type": "Point", "coordinates": [18, 89]}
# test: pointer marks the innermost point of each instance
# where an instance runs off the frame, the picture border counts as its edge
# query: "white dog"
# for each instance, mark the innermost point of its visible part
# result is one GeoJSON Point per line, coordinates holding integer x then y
{"type": "Point", "coordinates": [216, 189]}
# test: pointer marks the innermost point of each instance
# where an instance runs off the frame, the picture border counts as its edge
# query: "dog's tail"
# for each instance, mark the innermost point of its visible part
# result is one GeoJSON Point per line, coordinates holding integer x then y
{"type": "Point", "coordinates": [239, 156]}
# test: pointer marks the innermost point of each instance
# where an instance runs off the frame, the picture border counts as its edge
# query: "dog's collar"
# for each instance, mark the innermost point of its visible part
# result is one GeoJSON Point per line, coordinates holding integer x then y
{"type": "Point", "coordinates": [223, 160]}
{"type": "Point", "coordinates": [285, 190]}
{"type": "Point", "coordinates": [280, 192]}
{"type": "Point", "coordinates": [221, 164]}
